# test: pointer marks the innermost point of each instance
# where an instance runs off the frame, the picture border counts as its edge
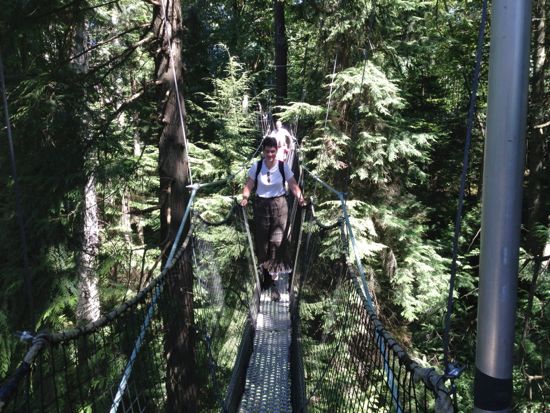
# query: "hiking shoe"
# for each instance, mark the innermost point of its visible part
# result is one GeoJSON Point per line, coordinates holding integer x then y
{"type": "Point", "coordinates": [275, 296]}
{"type": "Point", "coordinates": [266, 281]}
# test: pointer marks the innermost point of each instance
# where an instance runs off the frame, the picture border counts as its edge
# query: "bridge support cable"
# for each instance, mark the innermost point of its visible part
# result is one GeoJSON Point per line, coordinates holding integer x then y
{"type": "Point", "coordinates": [390, 379]}
{"type": "Point", "coordinates": [179, 103]}
{"type": "Point", "coordinates": [345, 214]}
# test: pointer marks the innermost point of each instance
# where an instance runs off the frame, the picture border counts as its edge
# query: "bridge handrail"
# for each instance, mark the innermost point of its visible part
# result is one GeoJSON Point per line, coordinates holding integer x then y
{"type": "Point", "coordinates": [429, 376]}
{"type": "Point", "coordinates": [433, 380]}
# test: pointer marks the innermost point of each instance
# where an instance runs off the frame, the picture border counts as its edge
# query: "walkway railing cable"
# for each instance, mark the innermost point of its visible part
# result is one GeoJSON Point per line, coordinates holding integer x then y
{"type": "Point", "coordinates": [362, 275]}
{"type": "Point", "coordinates": [342, 200]}
{"type": "Point", "coordinates": [92, 347]}
{"type": "Point", "coordinates": [137, 346]}
{"type": "Point", "coordinates": [351, 362]}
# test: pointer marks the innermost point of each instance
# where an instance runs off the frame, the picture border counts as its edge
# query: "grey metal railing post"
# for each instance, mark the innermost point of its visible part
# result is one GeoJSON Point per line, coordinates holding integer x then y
{"type": "Point", "coordinates": [501, 203]}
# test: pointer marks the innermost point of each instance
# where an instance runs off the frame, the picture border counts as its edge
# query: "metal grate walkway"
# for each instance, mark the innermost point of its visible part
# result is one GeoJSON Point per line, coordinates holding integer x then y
{"type": "Point", "coordinates": [267, 388]}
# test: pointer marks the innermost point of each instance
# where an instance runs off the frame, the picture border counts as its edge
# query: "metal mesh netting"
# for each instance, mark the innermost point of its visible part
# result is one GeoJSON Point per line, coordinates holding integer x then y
{"type": "Point", "coordinates": [350, 363]}
{"type": "Point", "coordinates": [226, 298]}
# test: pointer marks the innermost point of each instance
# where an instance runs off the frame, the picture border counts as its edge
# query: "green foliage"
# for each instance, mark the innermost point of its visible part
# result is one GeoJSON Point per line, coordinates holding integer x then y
{"type": "Point", "coordinates": [391, 138]}
{"type": "Point", "coordinates": [367, 84]}
{"type": "Point", "coordinates": [233, 110]}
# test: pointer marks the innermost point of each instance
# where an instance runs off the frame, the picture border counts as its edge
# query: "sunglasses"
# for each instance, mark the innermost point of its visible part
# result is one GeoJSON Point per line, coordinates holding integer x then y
{"type": "Point", "coordinates": [268, 177]}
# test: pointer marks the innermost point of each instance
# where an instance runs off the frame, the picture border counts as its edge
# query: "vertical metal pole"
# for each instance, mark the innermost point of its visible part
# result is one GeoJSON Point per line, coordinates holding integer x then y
{"type": "Point", "coordinates": [501, 202]}
{"type": "Point", "coordinates": [18, 203]}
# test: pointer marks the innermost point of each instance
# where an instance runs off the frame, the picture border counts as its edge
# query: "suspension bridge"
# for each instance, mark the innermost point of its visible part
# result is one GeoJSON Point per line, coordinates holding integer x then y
{"type": "Point", "coordinates": [252, 354]}
{"type": "Point", "coordinates": [307, 352]}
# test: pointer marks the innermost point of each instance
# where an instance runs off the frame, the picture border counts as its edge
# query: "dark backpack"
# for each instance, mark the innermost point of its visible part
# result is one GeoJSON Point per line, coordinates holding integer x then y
{"type": "Point", "coordinates": [259, 167]}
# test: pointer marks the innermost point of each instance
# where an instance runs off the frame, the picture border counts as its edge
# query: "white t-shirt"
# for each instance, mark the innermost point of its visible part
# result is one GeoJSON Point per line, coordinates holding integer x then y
{"type": "Point", "coordinates": [272, 186]}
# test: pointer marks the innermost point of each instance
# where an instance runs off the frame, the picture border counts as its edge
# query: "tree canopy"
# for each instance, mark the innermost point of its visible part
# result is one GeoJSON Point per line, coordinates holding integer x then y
{"type": "Point", "coordinates": [379, 92]}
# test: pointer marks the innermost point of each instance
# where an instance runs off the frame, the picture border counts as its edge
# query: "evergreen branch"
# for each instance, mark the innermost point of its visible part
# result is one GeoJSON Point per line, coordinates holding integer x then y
{"type": "Point", "coordinates": [120, 57]}
{"type": "Point", "coordinates": [69, 5]}
{"type": "Point", "coordinates": [109, 40]}
{"type": "Point", "coordinates": [139, 211]}
{"type": "Point", "coordinates": [132, 99]}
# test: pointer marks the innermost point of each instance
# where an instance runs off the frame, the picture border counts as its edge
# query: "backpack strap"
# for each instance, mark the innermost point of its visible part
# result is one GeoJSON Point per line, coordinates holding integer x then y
{"type": "Point", "coordinates": [258, 169]}
{"type": "Point", "coordinates": [282, 172]}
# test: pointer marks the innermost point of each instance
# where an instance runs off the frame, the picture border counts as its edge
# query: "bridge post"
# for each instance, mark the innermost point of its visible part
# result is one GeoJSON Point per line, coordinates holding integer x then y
{"type": "Point", "coordinates": [501, 204]}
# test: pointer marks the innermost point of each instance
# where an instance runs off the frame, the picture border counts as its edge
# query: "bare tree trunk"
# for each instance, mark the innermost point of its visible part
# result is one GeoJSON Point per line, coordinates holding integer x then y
{"type": "Point", "coordinates": [536, 193]}
{"type": "Point", "coordinates": [136, 219]}
{"type": "Point", "coordinates": [181, 384]}
{"type": "Point", "coordinates": [88, 306]}
{"type": "Point", "coordinates": [281, 51]}
{"type": "Point", "coordinates": [126, 217]}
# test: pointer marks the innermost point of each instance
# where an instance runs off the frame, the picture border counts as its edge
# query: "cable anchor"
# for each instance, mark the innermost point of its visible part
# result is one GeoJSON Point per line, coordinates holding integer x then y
{"type": "Point", "coordinates": [454, 371]}
{"type": "Point", "coordinates": [25, 335]}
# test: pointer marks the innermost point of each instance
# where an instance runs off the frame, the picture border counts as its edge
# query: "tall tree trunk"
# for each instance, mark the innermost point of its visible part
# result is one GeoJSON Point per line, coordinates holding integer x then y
{"type": "Point", "coordinates": [136, 219]}
{"type": "Point", "coordinates": [173, 168]}
{"type": "Point", "coordinates": [537, 153]}
{"type": "Point", "coordinates": [281, 51]}
{"type": "Point", "coordinates": [536, 193]}
{"type": "Point", "coordinates": [126, 217]}
{"type": "Point", "coordinates": [88, 306]}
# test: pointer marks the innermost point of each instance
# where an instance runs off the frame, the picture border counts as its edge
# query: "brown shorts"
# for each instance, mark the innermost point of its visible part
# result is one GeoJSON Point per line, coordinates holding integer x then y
{"type": "Point", "coordinates": [270, 220]}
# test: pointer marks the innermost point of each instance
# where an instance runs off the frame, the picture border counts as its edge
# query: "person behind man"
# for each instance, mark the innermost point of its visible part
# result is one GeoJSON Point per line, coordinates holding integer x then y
{"type": "Point", "coordinates": [284, 140]}
{"type": "Point", "coordinates": [270, 209]}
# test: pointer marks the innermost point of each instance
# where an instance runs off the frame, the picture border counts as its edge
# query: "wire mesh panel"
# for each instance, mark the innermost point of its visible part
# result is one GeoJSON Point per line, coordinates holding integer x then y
{"type": "Point", "coordinates": [224, 290]}
{"type": "Point", "coordinates": [351, 363]}
{"type": "Point", "coordinates": [80, 370]}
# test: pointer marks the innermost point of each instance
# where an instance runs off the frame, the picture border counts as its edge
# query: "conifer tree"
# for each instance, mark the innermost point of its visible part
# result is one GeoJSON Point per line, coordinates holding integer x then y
{"type": "Point", "coordinates": [174, 178]}
{"type": "Point", "coordinates": [281, 51]}
{"type": "Point", "coordinates": [88, 306]}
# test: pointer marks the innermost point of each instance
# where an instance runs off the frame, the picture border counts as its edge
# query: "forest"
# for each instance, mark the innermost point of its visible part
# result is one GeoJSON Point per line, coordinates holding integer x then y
{"type": "Point", "coordinates": [92, 178]}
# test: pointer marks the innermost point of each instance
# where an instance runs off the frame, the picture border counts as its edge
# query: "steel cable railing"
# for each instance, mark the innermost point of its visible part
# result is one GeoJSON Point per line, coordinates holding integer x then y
{"type": "Point", "coordinates": [351, 362]}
